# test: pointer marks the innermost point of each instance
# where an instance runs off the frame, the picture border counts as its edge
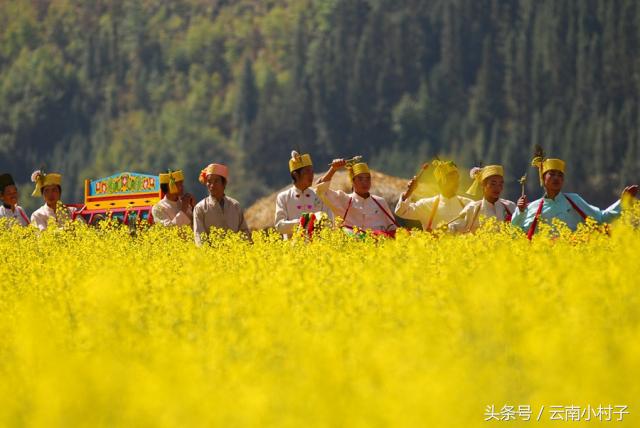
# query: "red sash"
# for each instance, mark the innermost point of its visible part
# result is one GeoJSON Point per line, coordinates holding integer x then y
{"type": "Point", "coordinates": [508, 216]}
{"type": "Point", "coordinates": [575, 207]}
{"type": "Point", "coordinates": [534, 223]}
{"type": "Point", "coordinates": [23, 215]}
{"type": "Point", "coordinates": [344, 218]}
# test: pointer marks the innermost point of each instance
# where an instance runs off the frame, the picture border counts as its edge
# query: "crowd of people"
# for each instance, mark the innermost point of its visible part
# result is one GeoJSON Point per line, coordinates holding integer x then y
{"type": "Point", "coordinates": [355, 212]}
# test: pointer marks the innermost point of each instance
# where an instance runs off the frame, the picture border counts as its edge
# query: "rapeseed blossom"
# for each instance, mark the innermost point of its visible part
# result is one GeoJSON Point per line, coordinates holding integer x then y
{"type": "Point", "coordinates": [105, 327]}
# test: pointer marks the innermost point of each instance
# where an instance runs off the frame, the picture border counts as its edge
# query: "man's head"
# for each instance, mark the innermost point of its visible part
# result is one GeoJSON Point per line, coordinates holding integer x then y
{"type": "Point", "coordinates": [303, 177]}
{"type": "Point", "coordinates": [301, 169]}
{"type": "Point", "coordinates": [215, 177]}
{"type": "Point", "coordinates": [488, 181]}
{"type": "Point", "coordinates": [8, 190]}
{"type": "Point", "coordinates": [179, 188]}
{"type": "Point", "coordinates": [48, 186]}
{"type": "Point", "coordinates": [9, 195]}
{"type": "Point", "coordinates": [449, 185]}
{"type": "Point", "coordinates": [492, 187]}
{"type": "Point", "coordinates": [362, 183]}
{"type": "Point", "coordinates": [51, 194]}
{"type": "Point", "coordinates": [553, 180]}
{"type": "Point", "coordinates": [172, 184]}
{"type": "Point", "coordinates": [447, 177]}
{"type": "Point", "coordinates": [216, 185]}
{"type": "Point", "coordinates": [551, 174]}
{"type": "Point", "coordinates": [360, 178]}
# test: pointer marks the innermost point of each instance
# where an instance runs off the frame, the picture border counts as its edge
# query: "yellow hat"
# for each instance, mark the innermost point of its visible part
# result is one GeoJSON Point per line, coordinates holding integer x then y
{"type": "Point", "coordinates": [42, 179]}
{"type": "Point", "coordinates": [545, 165]}
{"type": "Point", "coordinates": [214, 168]}
{"type": "Point", "coordinates": [442, 169]}
{"type": "Point", "coordinates": [480, 174]}
{"type": "Point", "coordinates": [299, 161]}
{"type": "Point", "coordinates": [171, 178]}
{"type": "Point", "coordinates": [357, 169]}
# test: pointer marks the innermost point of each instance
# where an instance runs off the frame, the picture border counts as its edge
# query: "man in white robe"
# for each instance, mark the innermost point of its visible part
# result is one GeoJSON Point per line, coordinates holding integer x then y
{"type": "Point", "coordinates": [49, 187]}
{"type": "Point", "coordinates": [300, 198]}
{"type": "Point", "coordinates": [358, 209]}
{"type": "Point", "coordinates": [488, 182]}
{"type": "Point", "coordinates": [436, 211]}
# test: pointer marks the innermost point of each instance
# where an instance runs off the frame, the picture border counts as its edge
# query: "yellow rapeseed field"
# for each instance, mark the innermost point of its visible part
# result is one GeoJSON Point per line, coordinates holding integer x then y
{"type": "Point", "coordinates": [99, 327]}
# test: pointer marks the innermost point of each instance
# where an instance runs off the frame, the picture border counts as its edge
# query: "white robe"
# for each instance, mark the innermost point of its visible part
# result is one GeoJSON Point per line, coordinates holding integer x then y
{"type": "Point", "coordinates": [363, 213]}
{"type": "Point", "coordinates": [448, 209]}
{"type": "Point", "coordinates": [474, 213]}
{"type": "Point", "coordinates": [40, 217]}
{"type": "Point", "coordinates": [169, 213]}
{"type": "Point", "coordinates": [291, 203]}
{"type": "Point", "coordinates": [17, 215]}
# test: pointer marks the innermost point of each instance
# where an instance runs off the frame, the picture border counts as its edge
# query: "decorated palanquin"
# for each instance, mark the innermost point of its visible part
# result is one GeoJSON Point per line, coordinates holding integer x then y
{"type": "Point", "coordinates": [127, 196]}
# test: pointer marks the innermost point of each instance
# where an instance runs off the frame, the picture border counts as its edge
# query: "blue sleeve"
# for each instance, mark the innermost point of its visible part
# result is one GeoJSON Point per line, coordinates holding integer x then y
{"type": "Point", "coordinates": [524, 219]}
{"type": "Point", "coordinates": [602, 216]}
{"type": "Point", "coordinates": [518, 218]}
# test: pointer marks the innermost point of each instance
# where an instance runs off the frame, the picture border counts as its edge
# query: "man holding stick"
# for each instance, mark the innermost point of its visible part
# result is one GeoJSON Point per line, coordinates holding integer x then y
{"type": "Point", "coordinates": [440, 209]}
{"type": "Point", "coordinates": [488, 181]}
{"type": "Point", "coordinates": [570, 208]}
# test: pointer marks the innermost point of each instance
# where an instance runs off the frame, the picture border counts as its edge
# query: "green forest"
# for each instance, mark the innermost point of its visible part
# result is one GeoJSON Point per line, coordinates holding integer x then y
{"type": "Point", "coordinates": [93, 87]}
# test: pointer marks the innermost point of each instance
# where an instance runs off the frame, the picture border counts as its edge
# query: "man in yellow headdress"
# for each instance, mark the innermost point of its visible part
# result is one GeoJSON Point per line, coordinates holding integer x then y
{"type": "Point", "coordinates": [358, 209]}
{"type": "Point", "coordinates": [570, 208]}
{"type": "Point", "coordinates": [49, 186]}
{"type": "Point", "coordinates": [217, 210]}
{"type": "Point", "coordinates": [300, 198]}
{"type": "Point", "coordinates": [488, 182]}
{"type": "Point", "coordinates": [438, 210]}
{"type": "Point", "coordinates": [176, 207]}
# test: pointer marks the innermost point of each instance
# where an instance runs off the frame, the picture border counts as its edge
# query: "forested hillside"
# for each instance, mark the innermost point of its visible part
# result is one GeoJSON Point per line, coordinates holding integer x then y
{"type": "Point", "coordinates": [93, 87]}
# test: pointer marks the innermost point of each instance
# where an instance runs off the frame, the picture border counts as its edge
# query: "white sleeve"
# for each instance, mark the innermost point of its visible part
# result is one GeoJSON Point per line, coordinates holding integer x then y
{"type": "Point", "coordinates": [198, 224]}
{"type": "Point", "coordinates": [182, 219]}
{"type": "Point", "coordinates": [461, 223]}
{"type": "Point", "coordinates": [414, 210]}
{"type": "Point", "coordinates": [337, 200]}
{"type": "Point", "coordinates": [38, 221]}
{"type": "Point", "coordinates": [282, 224]}
{"type": "Point", "coordinates": [160, 216]}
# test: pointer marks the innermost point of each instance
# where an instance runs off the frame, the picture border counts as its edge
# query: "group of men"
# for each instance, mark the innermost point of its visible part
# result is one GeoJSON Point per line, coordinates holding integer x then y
{"type": "Point", "coordinates": [358, 210]}
{"type": "Point", "coordinates": [216, 211]}
{"type": "Point", "coordinates": [176, 208]}
{"type": "Point", "coordinates": [48, 186]}
{"type": "Point", "coordinates": [447, 210]}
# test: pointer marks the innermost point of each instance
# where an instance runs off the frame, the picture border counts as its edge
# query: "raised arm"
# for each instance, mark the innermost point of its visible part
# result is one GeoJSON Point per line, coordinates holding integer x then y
{"type": "Point", "coordinates": [336, 164]}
